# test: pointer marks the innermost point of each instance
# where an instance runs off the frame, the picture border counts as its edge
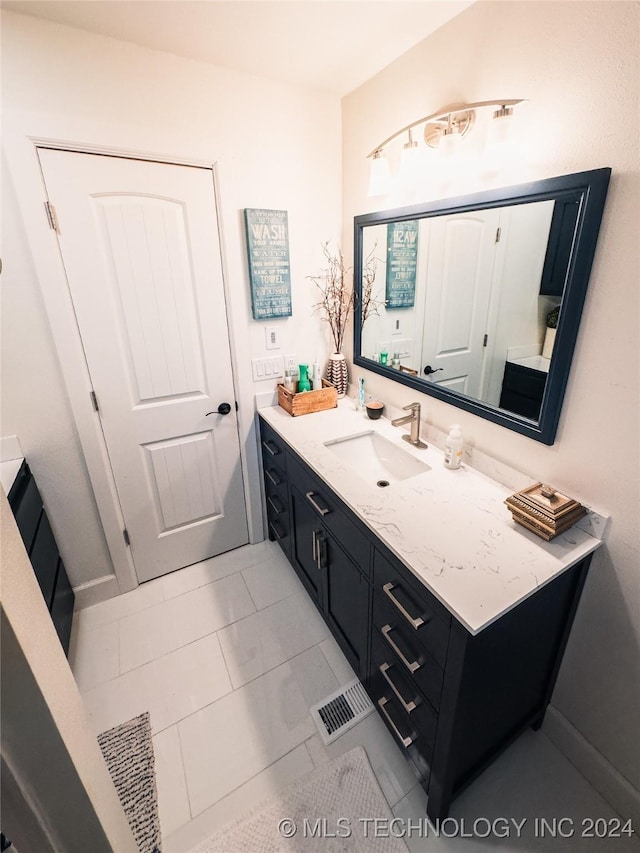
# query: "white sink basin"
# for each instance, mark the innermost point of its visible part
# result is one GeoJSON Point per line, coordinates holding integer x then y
{"type": "Point", "coordinates": [376, 458]}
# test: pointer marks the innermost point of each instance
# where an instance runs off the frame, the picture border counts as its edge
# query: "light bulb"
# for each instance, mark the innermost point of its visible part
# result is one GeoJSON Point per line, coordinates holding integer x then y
{"type": "Point", "coordinates": [410, 163]}
{"type": "Point", "coordinates": [379, 175]}
{"type": "Point", "coordinates": [501, 129]}
{"type": "Point", "coordinates": [450, 142]}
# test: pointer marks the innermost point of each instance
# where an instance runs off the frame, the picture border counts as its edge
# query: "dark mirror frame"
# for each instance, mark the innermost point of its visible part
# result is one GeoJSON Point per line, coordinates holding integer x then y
{"type": "Point", "coordinates": [593, 185]}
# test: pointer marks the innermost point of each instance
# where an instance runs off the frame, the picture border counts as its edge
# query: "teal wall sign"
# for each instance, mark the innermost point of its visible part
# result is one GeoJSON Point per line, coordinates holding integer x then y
{"type": "Point", "coordinates": [269, 270]}
{"type": "Point", "coordinates": [402, 262]}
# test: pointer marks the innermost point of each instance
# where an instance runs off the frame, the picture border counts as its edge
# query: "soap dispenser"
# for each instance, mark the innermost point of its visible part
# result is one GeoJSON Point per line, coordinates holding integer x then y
{"type": "Point", "coordinates": [453, 447]}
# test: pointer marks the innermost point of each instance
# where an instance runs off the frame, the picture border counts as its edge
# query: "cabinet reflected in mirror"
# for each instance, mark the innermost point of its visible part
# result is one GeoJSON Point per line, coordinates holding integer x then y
{"type": "Point", "coordinates": [463, 291]}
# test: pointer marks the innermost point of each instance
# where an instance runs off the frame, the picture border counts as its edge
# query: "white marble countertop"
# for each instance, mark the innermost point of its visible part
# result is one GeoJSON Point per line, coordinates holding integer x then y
{"type": "Point", "coordinates": [8, 472]}
{"type": "Point", "coordinates": [450, 528]}
{"type": "Point", "coordinates": [536, 362]}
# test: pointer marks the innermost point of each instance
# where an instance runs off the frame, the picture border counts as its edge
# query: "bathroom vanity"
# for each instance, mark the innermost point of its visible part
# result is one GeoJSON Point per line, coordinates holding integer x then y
{"type": "Point", "coordinates": [454, 618]}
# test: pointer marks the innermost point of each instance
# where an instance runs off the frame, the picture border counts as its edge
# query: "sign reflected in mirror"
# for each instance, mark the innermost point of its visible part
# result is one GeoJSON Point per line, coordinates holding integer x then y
{"type": "Point", "coordinates": [478, 299]}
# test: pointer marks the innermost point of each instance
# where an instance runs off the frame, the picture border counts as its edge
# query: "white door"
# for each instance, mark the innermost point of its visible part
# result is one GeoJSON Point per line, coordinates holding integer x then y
{"type": "Point", "coordinates": [460, 258]}
{"type": "Point", "coordinates": [139, 243]}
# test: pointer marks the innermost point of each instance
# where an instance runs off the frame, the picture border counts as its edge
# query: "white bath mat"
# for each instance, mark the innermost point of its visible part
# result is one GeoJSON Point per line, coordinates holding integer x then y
{"type": "Point", "coordinates": [330, 810]}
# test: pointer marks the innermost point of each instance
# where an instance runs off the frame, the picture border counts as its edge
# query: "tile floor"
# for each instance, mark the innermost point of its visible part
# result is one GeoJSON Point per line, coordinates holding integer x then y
{"type": "Point", "coordinates": [228, 656]}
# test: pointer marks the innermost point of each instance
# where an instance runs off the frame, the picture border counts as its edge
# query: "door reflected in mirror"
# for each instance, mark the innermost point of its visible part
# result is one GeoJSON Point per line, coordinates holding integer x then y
{"type": "Point", "coordinates": [467, 294]}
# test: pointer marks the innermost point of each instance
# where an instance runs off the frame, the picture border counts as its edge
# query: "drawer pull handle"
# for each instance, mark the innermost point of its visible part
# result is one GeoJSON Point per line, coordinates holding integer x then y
{"type": "Point", "coordinates": [314, 545]}
{"type": "Point", "coordinates": [323, 510]}
{"type": "Point", "coordinates": [276, 533]}
{"type": "Point", "coordinates": [405, 741]}
{"type": "Point", "coordinates": [275, 480]}
{"type": "Point", "coordinates": [408, 706]}
{"type": "Point", "coordinates": [414, 622]}
{"type": "Point", "coordinates": [412, 666]}
{"type": "Point", "coordinates": [275, 504]}
{"type": "Point", "coordinates": [270, 447]}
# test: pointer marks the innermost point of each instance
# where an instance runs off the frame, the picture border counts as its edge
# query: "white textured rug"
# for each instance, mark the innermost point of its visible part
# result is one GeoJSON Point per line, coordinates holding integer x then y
{"type": "Point", "coordinates": [332, 809]}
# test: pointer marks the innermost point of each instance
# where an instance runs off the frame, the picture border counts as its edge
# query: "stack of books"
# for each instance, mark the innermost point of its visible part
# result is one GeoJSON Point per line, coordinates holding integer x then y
{"type": "Point", "coordinates": [544, 511]}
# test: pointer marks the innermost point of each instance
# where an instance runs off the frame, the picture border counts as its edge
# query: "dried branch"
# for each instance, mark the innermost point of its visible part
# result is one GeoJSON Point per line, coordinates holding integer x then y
{"type": "Point", "coordinates": [336, 294]}
{"type": "Point", "coordinates": [370, 304]}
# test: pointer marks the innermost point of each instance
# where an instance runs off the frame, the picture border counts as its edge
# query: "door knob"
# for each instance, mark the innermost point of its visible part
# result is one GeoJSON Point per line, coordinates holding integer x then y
{"type": "Point", "coordinates": [429, 370]}
{"type": "Point", "coordinates": [223, 409]}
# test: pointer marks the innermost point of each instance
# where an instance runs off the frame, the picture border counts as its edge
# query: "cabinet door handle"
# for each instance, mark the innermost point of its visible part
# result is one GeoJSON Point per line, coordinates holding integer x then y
{"type": "Point", "coordinates": [270, 447]}
{"type": "Point", "coordinates": [320, 541]}
{"type": "Point", "coordinates": [405, 741]}
{"type": "Point", "coordinates": [275, 480]}
{"type": "Point", "coordinates": [412, 666]}
{"type": "Point", "coordinates": [323, 510]}
{"type": "Point", "coordinates": [415, 622]}
{"type": "Point", "coordinates": [408, 706]}
{"type": "Point", "coordinates": [275, 503]}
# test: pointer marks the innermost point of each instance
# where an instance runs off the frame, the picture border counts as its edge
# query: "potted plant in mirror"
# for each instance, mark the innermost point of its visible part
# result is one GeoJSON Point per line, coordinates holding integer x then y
{"type": "Point", "coordinates": [550, 335]}
{"type": "Point", "coordinates": [335, 284]}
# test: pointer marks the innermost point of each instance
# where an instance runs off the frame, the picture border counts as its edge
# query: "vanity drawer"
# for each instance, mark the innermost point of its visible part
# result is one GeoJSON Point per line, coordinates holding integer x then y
{"type": "Point", "coordinates": [414, 732]}
{"type": "Point", "coordinates": [273, 448]}
{"type": "Point", "coordinates": [27, 512]}
{"type": "Point", "coordinates": [396, 647]}
{"type": "Point", "coordinates": [280, 530]}
{"type": "Point", "coordinates": [328, 510]}
{"type": "Point", "coordinates": [415, 612]}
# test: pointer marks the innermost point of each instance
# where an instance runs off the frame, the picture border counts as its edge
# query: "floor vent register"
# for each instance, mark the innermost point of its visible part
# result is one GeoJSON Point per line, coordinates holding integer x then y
{"type": "Point", "coordinates": [341, 711]}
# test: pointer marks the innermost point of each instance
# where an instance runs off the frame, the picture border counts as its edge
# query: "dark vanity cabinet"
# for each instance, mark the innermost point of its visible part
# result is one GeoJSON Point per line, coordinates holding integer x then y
{"type": "Point", "coordinates": [332, 557]}
{"type": "Point", "coordinates": [33, 524]}
{"type": "Point", "coordinates": [274, 466]}
{"type": "Point", "coordinates": [522, 390]}
{"type": "Point", "coordinates": [453, 701]}
{"type": "Point", "coordinates": [330, 553]}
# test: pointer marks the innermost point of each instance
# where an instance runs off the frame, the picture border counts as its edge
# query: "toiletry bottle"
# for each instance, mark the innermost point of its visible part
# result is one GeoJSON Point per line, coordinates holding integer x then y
{"type": "Point", "coordinates": [303, 382]}
{"type": "Point", "coordinates": [384, 357]}
{"type": "Point", "coordinates": [317, 377]}
{"type": "Point", "coordinates": [290, 381]}
{"type": "Point", "coordinates": [453, 448]}
{"type": "Point", "coordinates": [361, 393]}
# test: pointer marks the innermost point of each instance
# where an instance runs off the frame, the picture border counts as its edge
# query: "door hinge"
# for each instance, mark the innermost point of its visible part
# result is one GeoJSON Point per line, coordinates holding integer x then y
{"type": "Point", "coordinates": [94, 401]}
{"type": "Point", "coordinates": [125, 536]}
{"type": "Point", "coordinates": [486, 340]}
{"type": "Point", "coordinates": [52, 216]}
{"type": "Point", "coordinates": [498, 233]}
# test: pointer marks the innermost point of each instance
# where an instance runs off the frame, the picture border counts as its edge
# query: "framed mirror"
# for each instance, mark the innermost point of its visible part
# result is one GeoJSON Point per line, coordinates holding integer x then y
{"type": "Point", "coordinates": [477, 300]}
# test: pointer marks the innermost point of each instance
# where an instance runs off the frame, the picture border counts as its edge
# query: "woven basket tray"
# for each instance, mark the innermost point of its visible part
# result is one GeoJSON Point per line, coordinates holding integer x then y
{"type": "Point", "coordinates": [306, 402]}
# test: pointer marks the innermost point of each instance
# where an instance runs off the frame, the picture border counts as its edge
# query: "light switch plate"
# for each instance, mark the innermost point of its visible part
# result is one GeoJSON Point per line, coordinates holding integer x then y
{"type": "Point", "coordinates": [267, 368]}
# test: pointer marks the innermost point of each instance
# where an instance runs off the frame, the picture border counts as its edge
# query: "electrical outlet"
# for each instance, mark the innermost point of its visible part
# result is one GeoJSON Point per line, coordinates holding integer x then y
{"type": "Point", "coordinates": [290, 362]}
{"type": "Point", "coordinates": [272, 337]}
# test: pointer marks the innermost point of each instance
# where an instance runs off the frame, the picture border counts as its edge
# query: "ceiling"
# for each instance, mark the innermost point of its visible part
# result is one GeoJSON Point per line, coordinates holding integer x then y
{"type": "Point", "coordinates": [330, 45]}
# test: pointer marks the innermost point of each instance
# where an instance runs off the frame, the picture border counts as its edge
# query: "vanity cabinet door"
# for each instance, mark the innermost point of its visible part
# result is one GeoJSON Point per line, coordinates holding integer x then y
{"type": "Point", "coordinates": [305, 552]}
{"type": "Point", "coordinates": [346, 603]}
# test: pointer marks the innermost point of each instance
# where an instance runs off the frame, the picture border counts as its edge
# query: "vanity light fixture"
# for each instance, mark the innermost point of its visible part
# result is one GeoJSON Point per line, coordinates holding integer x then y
{"type": "Point", "coordinates": [443, 130]}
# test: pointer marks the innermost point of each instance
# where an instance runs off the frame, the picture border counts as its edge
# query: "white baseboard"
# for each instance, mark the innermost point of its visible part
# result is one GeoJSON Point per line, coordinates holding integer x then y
{"type": "Point", "coordinates": [600, 773]}
{"type": "Point", "coordinates": [93, 592]}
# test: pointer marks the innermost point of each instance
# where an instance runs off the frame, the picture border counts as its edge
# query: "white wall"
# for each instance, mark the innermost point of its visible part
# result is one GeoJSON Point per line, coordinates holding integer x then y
{"type": "Point", "coordinates": [577, 63]}
{"type": "Point", "coordinates": [276, 146]}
